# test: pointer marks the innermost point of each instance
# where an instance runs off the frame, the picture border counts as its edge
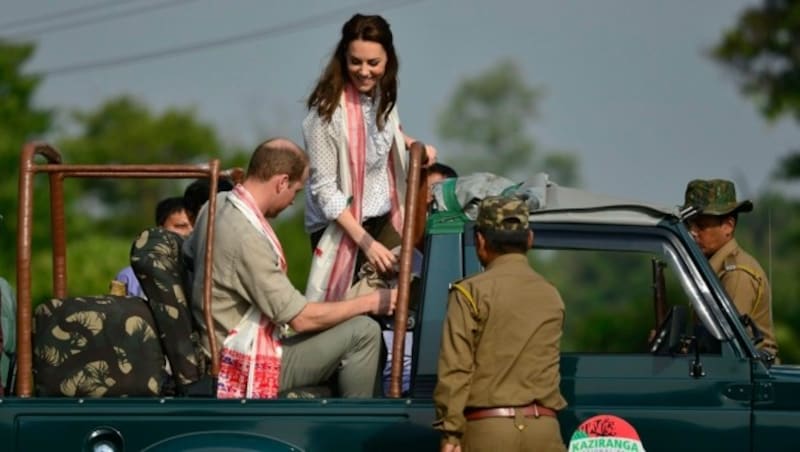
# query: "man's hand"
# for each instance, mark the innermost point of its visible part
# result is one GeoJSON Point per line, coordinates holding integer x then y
{"type": "Point", "coordinates": [385, 302]}
{"type": "Point", "coordinates": [449, 447]}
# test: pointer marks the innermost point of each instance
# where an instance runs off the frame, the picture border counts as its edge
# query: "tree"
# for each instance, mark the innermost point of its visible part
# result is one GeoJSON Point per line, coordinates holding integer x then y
{"type": "Point", "coordinates": [771, 233]}
{"type": "Point", "coordinates": [487, 118]}
{"type": "Point", "coordinates": [763, 51]}
{"type": "Point", "coordinates": [124, 130]}
{"type": "Point", "coordinates": [20, 121]}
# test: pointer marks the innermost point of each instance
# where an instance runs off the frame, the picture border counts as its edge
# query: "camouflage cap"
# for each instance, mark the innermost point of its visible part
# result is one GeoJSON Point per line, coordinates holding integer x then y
{"type": "Point", "coordinates": [502, 213]}
{"type": "Point", "coordinates": [714, 197]}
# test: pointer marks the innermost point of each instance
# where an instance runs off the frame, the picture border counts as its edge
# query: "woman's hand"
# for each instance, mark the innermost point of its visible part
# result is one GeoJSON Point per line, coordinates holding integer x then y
{"type": "Point", "coordinates": [381, 258]}
{"type": "Point", "coordinates": [430, 153]}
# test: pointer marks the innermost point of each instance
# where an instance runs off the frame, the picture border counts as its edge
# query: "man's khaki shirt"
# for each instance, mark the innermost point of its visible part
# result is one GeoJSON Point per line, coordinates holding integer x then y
{"type": "Point", "coordinates": [504, 349]}
{"type": "Point", "coordinates": [245, 272]}
{"type": "Point", "coordinates": [747, 286]}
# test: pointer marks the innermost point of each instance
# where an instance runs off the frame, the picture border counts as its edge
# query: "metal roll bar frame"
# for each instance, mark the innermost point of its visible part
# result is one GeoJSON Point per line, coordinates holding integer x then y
{"type": "Point", "coordinates": [412, 206]}
{"type": "Point", "coordinates": [57, 172]}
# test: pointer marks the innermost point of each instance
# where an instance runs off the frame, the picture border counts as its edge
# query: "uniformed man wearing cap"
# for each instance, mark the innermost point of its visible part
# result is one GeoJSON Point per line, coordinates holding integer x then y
{"type": "Point", "coordinates": [742, 277]}
{"type": "Point", "coordinates": [498, 385]}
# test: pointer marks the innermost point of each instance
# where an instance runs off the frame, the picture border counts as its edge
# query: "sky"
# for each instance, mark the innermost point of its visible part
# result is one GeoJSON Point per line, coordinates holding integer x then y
{"type": "Point", "coordinates": [627, 85]}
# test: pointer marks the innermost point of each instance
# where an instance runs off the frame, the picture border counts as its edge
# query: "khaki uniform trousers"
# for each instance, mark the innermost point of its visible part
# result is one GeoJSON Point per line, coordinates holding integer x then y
{"type": "Point", "coordinates": [496, 434]}
{"type": "Point", "coordinates": [351, 348]}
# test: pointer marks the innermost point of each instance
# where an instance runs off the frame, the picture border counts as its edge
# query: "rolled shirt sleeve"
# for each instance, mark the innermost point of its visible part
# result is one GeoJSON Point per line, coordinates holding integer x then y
{"type": "Point", "coordinates": [258, 273]}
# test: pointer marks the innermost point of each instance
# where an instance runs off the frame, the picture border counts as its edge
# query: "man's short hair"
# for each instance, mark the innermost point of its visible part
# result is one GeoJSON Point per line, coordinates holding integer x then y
{"type": "Point", "coordinates": [277, 156]}
{"type": "Point", "coordinates": [440, 168]}
{"type": "Point", "coordinates": [197, 193]}
{"type": "Point", "coordinates": [166, 207]}
{"type": "Point", "coordinates": [504, 242]}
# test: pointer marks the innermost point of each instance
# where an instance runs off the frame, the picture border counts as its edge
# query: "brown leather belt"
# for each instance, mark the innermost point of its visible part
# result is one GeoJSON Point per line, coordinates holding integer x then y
{"type": "Point", "coordinates": [532, 410]}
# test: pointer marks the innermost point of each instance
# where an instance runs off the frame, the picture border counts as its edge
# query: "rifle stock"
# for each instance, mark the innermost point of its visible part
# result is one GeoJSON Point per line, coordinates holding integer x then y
{"type": "Point", "coordinates": [659, 291]}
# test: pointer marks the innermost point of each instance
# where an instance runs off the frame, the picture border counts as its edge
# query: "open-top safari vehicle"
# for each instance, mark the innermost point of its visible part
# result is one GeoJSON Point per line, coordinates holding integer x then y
{"type": "Point", "coordinates": [681, 391]}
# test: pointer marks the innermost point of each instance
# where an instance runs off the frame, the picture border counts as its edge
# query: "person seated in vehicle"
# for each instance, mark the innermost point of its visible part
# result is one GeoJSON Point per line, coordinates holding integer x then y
{"type": "Point", "coordinates": [713, 229]}
{"type": "Point", "coordinates": [197, 193]}
{"type": "Point", "coordinates": [172, 215]}
{"type": "Point", "coordinates": [437, 173]}
{"type": "Point", "coordinates": [249, 270]}
{"type": "Point", "coordinates": [8, 329]}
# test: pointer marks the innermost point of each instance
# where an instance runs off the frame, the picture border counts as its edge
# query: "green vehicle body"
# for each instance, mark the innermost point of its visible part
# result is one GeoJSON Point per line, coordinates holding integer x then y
{"type": "Point", "coordinates": [731, 400]}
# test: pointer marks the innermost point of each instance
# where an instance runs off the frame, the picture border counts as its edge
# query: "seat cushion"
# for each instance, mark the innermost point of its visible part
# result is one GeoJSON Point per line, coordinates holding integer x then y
{"type": "Point", "coordinates": [156, 260]}
{"type": "Point", "coordinates": [96, 346]}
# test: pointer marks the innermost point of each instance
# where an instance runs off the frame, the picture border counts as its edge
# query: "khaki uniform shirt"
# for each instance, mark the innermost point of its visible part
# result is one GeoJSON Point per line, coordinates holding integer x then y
{"type": "Point", "coordinates": [747, 286]}
{"type": "Point", "coordinates": [245, 271]}
{"type": "Point", "coordinates": [503, 349]}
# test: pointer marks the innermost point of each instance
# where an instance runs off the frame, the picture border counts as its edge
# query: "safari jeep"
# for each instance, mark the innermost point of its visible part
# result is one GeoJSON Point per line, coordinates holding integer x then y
{"type": "Point", "coordinates": [668, 353]}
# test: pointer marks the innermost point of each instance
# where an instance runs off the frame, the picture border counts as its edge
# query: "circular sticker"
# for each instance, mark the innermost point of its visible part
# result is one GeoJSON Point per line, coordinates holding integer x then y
{"type": "Point", "coordinates": [605, 433]}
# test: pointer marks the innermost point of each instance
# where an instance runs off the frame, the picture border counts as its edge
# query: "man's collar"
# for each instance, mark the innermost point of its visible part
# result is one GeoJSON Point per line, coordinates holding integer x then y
{"type": "Point", "coordinates": [717, 260]}
{"type": "Point", "coordinates": [507, 259]}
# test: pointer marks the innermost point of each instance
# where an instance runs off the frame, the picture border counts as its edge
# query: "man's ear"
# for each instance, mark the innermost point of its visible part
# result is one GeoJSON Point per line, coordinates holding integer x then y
{"type": "Point", "coordinates": [728, 225]}
{"type": "Point", "coordinates": [480, 240]}
{"type": "Point", "coordinates": [282, 182]}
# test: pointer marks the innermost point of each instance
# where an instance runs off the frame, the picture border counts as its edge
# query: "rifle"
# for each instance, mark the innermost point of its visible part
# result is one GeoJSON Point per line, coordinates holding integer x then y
{"type": "Point", "coordinates": [659, 291]}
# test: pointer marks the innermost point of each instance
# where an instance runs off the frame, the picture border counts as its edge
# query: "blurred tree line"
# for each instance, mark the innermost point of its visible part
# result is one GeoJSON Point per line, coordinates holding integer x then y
{"type": "Point", "coordinates": [488, 118]}
{"type": "Point", "coordinates": [103, 216]}
{"type": "Point", "coordinates": [762, 51]}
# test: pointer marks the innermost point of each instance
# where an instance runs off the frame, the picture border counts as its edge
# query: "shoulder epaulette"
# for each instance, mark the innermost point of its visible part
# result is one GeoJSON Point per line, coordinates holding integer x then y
{"type": "Point", "coordinates": [730, 266]}
{"type": "Point", "coordinates": [472, 305]}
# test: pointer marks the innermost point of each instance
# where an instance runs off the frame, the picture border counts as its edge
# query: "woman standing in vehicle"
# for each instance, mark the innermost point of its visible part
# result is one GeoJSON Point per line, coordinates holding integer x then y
{"type": "Point", "coordinates": [358, 161]}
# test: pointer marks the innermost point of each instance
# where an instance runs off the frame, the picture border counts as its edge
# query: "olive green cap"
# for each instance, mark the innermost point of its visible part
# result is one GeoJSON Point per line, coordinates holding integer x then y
{"type": "Point", "coordinates": [502, 213]}
{"type": "Point", "coordinates": [714, 197]}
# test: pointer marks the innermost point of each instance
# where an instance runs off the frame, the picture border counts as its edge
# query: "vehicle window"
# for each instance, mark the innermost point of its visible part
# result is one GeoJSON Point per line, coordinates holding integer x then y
{"type": "Point", "coordinates": [609, 296]}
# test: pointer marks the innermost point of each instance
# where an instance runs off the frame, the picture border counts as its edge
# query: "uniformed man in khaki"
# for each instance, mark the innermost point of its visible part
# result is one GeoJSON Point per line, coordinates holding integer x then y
{"type": "Point", "coordinates": [498, 386]}
{"type": "Point", "coordinates": [742, 277]}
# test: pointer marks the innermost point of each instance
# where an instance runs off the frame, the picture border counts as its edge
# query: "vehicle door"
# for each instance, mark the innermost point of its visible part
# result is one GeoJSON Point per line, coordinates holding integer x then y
{"type": "Point", "coordinates": [674, 398]}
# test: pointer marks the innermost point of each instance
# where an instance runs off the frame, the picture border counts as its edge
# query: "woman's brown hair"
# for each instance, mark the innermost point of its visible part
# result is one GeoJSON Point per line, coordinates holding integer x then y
{"type": "Point", "coordinates": [326, 95]}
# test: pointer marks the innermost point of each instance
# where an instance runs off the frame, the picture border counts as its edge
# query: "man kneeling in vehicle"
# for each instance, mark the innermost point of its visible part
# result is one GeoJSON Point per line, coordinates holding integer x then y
{"type": "Point", "coordinates": [249, 275]}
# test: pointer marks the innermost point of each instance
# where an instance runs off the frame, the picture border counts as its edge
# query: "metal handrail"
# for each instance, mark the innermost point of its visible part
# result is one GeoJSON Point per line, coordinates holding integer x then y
{"type": "Point", "coordinates": [57, 171]}
{"type": "Point", "coordinates": [416, 151]}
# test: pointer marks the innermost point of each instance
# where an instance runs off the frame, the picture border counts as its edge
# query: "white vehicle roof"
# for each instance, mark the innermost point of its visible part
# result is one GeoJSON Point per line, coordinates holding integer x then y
{"type": "Point", "coordinates": [571, 205]}
{"type": "Point", "coordinates": [548, 201]}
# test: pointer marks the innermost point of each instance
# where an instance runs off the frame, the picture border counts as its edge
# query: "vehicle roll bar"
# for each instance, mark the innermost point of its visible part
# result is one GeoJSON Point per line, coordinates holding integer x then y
{"type": "Point", "coordinates": [411, 214]}
{"type": "Point", "coordinates": [57, 172]}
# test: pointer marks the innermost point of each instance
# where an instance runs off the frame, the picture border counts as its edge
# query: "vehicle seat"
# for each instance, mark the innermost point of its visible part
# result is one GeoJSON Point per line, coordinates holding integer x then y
{"type": "Point", "coordinates": [157, 262]}
{"type": "Point", "coordinates": [96, 346]}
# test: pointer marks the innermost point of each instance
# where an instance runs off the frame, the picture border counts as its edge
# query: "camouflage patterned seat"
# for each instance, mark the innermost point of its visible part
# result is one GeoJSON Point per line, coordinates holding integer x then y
{"type": "Point", "coordinates": [157, 262]}
{"type": "Point", "coordinates": [96, 346]}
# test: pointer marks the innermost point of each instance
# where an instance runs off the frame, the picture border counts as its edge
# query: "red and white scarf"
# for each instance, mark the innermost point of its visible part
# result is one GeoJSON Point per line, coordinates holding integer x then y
{"type": "Point", "coordinates": [250, 362]}
{"type": "Point", "coordinates": [334, 278]}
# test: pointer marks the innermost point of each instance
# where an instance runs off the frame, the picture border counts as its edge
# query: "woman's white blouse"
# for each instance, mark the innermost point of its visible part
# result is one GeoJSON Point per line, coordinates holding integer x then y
{"type": "Point", "coordinates": [325, 200]}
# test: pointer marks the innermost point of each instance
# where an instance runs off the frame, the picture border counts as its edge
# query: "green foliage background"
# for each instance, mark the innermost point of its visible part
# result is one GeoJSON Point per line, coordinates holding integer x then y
{"type": "Point", "coordinates": [488, 118]}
